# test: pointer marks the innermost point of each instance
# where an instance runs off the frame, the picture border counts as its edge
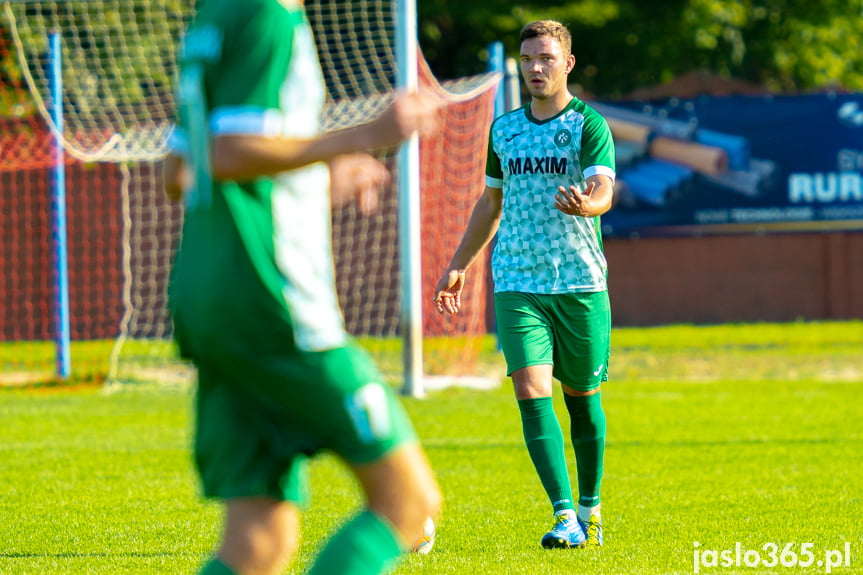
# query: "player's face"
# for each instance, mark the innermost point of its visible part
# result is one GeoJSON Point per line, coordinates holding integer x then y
{"type": "Point", "coordinates": [544, 66]}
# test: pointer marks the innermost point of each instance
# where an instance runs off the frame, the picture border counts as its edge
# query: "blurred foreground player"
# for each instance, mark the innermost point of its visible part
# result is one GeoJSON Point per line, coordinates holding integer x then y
{"type": "Point", "coordinates": [254, 301]}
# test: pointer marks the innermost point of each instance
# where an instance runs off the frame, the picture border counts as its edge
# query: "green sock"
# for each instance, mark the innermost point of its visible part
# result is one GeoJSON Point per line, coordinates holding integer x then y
{"type": "Point", "coordinates": [544, 441]}
{"type": "Point", "coordinates": [366, 545]}
{"type": "Point", "coordinates": [216, 567]}
{"type": "Point", "coordinates": [588, 440]}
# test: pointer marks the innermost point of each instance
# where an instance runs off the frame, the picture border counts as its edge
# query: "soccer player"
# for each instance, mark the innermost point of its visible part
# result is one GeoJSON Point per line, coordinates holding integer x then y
{"type": "Point", "coordinates": [549, 176]}
{"type": "Point", "coordinates": [254, 301]}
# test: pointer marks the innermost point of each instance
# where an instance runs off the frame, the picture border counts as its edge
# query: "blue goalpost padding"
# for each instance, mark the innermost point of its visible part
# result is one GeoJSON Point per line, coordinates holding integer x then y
{"type": "Point", "coordinates": [496, 63]}
{"type": "Point", "coordinates": [58, 232]}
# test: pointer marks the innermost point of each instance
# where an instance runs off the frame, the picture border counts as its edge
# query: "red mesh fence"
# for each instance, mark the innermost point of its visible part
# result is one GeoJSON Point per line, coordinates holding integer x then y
{"type": "Point", "coordinates": [452, 177]}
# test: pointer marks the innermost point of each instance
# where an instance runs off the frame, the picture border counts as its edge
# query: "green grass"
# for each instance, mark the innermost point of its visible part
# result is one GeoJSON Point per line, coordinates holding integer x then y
{"type": "Point", "coordinates": [726, 434]}
{"type": "Point", "coordinates": [33, 363]}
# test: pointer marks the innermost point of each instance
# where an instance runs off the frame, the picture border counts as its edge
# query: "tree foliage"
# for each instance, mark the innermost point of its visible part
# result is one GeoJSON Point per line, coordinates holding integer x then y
{"type": "Point", "coordinates": [116, 54]}
{"type": "Point", "coordinates": [620, 45]}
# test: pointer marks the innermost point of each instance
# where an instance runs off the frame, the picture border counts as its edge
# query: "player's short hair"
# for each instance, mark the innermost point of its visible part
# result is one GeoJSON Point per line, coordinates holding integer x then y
{"type": "Point", "coordinates": [550, 28]}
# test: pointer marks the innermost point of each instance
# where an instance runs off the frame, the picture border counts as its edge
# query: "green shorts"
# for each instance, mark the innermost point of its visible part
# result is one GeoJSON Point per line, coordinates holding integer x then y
{"type": "Point", "coordinates": [258, 419]}
{"type": "Point", "coordinates": [570, 331]}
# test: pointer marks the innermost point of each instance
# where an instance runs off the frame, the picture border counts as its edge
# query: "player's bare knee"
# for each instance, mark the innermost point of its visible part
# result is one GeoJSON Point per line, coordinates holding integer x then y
{"type": "Point", "coordinates": [260, 535]}
{"type": "Point", "coordinates": [403, 489]}
{"type": "Point", "coordinates": [273, 548]}
{"type": "Point", "coordinates": [434, 499]}
{"type": "Point", "coordinates": [425, 502]}
{"type": "Point", "coordinates": [426, 493]}
{"type": "Point", "coordinates": [414, 501]}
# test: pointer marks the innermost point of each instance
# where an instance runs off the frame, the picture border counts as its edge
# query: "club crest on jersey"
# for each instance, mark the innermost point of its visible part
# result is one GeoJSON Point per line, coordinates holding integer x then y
{"type": "Point", "coordinates": [563, 138]}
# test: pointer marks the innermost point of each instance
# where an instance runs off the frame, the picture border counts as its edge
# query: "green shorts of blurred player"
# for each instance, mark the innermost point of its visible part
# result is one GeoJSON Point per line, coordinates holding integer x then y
{"type": "Point", "coordinates": [261, 415]}
{"type": "Point", "coordinates": [258, 420]}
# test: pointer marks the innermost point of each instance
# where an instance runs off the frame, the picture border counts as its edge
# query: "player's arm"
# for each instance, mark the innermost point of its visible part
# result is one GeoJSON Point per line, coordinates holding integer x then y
{"type": "Point", "coordinates": [243, 157]}
{"type": "Point", "coordinates": [483, 224]}
{"type": "Point", "coordinates": [597, 157]}
{"type": "Point", "coordinates": [176, 177]}
{"type": "Point", "coordinates": [352, 176]}
{"type": "Point", "coordinates": [360, 177]}
{"type": "Point", "coordinates": [481, 228]}
{"type": "Point", "coordinates": [594, 201]}
{"type": "Point", "coordinates": [176, 171]}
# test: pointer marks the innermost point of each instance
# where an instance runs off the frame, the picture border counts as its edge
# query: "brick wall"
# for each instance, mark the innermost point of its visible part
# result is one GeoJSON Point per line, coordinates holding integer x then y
{"type": "Point", "coordinates": [746, 278]}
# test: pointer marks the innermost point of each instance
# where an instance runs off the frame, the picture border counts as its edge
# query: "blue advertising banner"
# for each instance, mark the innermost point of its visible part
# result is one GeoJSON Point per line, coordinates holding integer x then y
{"type": "Point", "coordinates": [737, 164]}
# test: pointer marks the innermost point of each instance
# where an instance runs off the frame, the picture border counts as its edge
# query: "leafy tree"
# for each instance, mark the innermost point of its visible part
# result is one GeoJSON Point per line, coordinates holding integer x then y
{"type": "Point", "coordinates": [788, 45]}
{"type": "Point", "coordinates": [100, 38]}
{"type": "Point", "coordinates": [620, 45]}
{"type": "Point", "coordinates": [785, 45]}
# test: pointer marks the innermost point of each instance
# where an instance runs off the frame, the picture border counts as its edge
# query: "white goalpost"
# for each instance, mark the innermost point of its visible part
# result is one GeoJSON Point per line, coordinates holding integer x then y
{"type": "Point", "coordinates": [410, 316]}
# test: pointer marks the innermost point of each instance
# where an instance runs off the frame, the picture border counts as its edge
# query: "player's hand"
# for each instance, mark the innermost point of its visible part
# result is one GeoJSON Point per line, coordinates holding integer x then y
{"type": "Point", "coordinates": [409, 113]}
{"type": "Point", "coordinates": [176, 177]}
{"type": "Point", "coordinates": [360, 177]}
{"type": "Point", "coordinates": [573, 201]}
{"type": "Point", "coordinates": [448, 291]}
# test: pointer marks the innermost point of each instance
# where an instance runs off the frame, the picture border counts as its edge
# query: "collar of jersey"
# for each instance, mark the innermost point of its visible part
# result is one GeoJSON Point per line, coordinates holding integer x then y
{"type": "Point", "coordinates": [566, 108]}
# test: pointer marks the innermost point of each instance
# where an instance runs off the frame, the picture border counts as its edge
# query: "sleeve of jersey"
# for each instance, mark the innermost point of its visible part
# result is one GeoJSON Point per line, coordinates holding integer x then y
{"type": "Point", "coordinates": [245, 83]}
{"type": "Point", "coordinates": [493, 171]}
{"type": "Point", "coordinates": [597, 147]}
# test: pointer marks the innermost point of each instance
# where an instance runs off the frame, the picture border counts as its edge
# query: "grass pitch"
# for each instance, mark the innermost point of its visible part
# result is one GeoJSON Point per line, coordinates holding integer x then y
{"type": "Point", "coordinates": [721, 435]}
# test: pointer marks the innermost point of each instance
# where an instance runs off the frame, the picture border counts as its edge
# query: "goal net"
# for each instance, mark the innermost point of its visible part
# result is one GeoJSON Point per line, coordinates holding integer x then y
{"type": "Point", "coordinates": [117, 63]}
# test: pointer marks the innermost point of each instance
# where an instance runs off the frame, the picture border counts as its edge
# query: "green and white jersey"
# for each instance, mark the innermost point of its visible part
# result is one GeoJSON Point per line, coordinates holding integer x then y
{"type": "Point", "coordinates": [539, 248]}
{"type": "Point", "coordinates": [255, 256]}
